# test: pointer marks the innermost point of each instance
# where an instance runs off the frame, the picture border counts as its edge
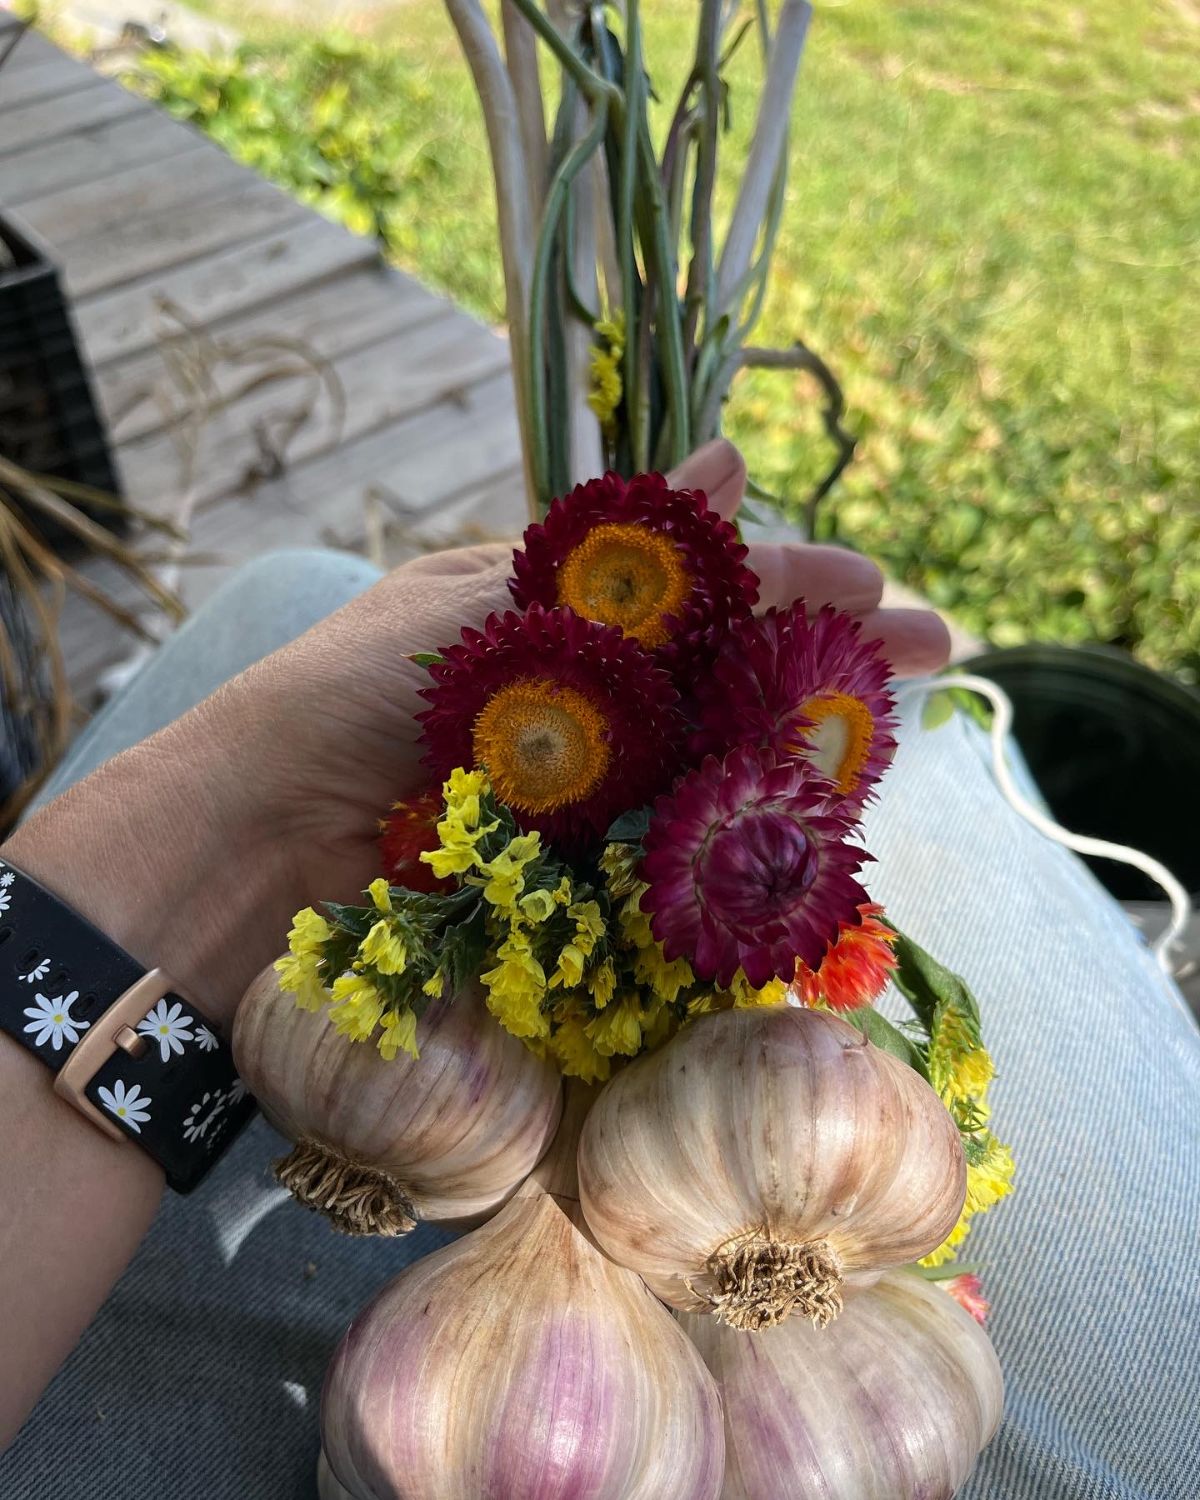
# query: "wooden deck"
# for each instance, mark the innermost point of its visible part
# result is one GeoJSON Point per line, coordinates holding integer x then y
{"type": "Point", "coordinates": [145, 216]}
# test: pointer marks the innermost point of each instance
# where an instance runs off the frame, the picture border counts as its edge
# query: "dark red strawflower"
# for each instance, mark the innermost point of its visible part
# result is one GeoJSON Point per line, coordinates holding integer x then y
{"type": "Point", "coordinates": [573, 721]}
{"type": "Point", "coordinates": [748, 866]}
{"type": "Point", "coordinates": [655, 562]}
{"type": "Point", "coordinates": [404, 835]}
{"type": "Point", "coordinates": [804, 687]}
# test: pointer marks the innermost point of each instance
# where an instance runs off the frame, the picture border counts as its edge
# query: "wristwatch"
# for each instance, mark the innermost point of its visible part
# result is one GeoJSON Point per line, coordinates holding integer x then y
{"type": "Point", "coordinates": [128, 1050]}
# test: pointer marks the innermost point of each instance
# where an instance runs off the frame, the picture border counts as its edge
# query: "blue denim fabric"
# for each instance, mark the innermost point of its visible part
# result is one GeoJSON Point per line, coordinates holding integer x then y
{"type": "Point", "coordinates": [201, 1376]}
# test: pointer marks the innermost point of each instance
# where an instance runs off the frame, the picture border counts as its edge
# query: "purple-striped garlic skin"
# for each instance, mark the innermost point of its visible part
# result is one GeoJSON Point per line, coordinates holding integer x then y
{"type": "Point", "coordinates": [893, 1401]}
{"type": "Point", "coordinates": [764, 1162]}
{"type": "Point", "coordinates": [520, 1364]}
{"type": "Point", "coordinates": [447, 1137]}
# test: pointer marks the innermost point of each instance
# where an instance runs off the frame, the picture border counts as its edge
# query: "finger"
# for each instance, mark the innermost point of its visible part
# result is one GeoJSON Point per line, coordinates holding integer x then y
{"type": "Point", "coordinates": [719, 470]}
{"type": "Point", "coordinates": [817, 574]}
{"type": "Point", "coordinates": [915, 641]}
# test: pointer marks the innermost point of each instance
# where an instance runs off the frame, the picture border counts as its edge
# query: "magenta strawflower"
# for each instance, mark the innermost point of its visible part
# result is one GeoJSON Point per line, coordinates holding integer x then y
{"type": "Point", "coordinates": [748, 866]}
{"type": "Point", "coordinates": [573, 721]}
{"type": "Point", "coordinates": [804, 686]}
{"type": "Point", "coordinates": [655, 562]}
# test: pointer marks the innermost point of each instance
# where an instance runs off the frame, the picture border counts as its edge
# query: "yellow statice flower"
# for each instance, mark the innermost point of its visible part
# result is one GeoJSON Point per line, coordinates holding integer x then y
{"type": "Point", "coordinates": [383, 949]}
{"type": "Point", "coordinates": [309, 932]}
{"type": "Point", "coordinates": [435, 985]}
{"type": "Point", "coordinates": [604, 397]}
{"type": "Point", "coordinates": [618, 1028]}
{"type": "Point", "coordinates": [589, 924]}
{"type": "Point", "coordinates": [302, 978]}
{"type": "Point", "coordinates": [633, 921]}
{"type": "Point", "coordinates": [381, 894]}
{"type": "Point", "coordinates": [459, 831]}
{"type": "Point", "coordinates": [299, 969]}
{"type": "Point", "coordinates": [988, 1180]}
{"type": "Point", "coordinates": [701, 1004]}
{"type": "Point", "coordinates": [357, 1007]}
{"type": "Point", "coordinates": [662, 979]}
{"type": "Point", "coordinates": [568, 972]}
{"type": "Point", "coordinates": [576, 1054]}
{"type": "Point", "coordinates": [619, 863]}
{"type": "Point", "coordinates": [516, 988]}
{"type": "Point", "coordinates": [746, 997]}
{"type": "Point", "coordinates": [601, 983]}
{"type": "Point", "coordinates": [958, 1065]}
{"type": "Point", "coordinates": [503, 878]}
{"type": "Point", "coordinates": [399, 1034]}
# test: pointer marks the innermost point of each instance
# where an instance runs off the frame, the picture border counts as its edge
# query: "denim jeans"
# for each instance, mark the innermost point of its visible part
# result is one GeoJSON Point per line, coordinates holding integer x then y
{"type": "Point", "coordinates": [201, 1376]}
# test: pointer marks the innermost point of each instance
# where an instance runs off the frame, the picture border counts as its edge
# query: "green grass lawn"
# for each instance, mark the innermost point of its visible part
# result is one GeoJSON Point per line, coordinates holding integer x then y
{"type": "Point", "coordinates": [992, 233]}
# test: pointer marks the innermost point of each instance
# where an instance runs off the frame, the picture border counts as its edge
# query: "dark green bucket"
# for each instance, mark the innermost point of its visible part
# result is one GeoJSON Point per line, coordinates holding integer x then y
{"type": "Point", "coordinates": [1115, 749]}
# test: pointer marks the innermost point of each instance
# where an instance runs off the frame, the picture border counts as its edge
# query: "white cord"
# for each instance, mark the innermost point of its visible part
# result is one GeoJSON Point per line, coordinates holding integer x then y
{"type": "Point", "coordinates": [1181, 903]}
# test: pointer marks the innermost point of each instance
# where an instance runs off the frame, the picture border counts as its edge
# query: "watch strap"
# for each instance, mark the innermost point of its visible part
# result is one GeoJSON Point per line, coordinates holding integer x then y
{"type": "Point", "coordinates": [163, 1079]}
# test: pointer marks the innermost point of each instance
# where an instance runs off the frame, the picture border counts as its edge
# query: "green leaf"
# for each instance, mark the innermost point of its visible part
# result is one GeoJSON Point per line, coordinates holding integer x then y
{"type": "Point", "coordinates": [888, 1038]}
{"type": "Point", "coordinates": [938, 710]}
{"type": "Point", "coordinates": [630, 827]}
{"type": "Point", "coordinates": [929, 986]}
{"type": "Point", "coordinates": [425, 658]}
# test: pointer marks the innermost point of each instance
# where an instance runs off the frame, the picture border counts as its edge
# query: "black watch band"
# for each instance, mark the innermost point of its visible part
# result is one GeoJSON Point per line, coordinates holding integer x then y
{"type": "Point", "coordinates": [138, 1060]}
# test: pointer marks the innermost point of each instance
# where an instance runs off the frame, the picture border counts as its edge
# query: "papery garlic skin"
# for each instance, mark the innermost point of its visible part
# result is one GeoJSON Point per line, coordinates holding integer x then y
{"type": "Point", "coordinates": [520, 1363]}
{"type": "Point", "coordinates": [894, 1401]}
{"type": "Point", "coordinates": [381, 1145]}
{"type": "Point", "coordinates": [765, 1161]}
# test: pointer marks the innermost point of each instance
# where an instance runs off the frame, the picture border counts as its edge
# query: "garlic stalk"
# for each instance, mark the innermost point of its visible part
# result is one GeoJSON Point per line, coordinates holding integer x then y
{"type": "Point", "coordinates": [894, 1402]}
{"type": "Point", "coordinates": [520, 1362]}
{"type": "Point", "coordinates": [766, 1161]}
{"type": "Point", "coordinates": [380, 1145]}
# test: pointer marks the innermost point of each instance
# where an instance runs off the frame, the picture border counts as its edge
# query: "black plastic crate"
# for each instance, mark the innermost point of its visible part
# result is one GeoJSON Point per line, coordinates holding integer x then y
{"type": "Point", "coordinates": [49, 422]}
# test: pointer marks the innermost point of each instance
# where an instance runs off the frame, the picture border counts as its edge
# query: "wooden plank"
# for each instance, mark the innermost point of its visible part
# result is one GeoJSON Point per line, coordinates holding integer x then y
{"type": "Point", "coordinates": [52, 79]}
{"type": "Point", "coordinates": [88, 155]}
{"type": "Point", "coordinates": [426, 461]}
{"type": "Point", "coordinates": [121, 321]}
{"type": "Point", "coordinates": [142, 247]}
{"type": "Point", "coordinates": [357, 309]}
{"type": "Point", "coordinates": [48, 119]}
{"type": "Point", "coordinates": [381, 384]}
{"type": "Point", "coordinates": [134, 191]}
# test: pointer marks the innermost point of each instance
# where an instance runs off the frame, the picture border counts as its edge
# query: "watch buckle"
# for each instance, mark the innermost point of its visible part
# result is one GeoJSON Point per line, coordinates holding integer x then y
{"type": "Point", "coordinates": [113, 1031]}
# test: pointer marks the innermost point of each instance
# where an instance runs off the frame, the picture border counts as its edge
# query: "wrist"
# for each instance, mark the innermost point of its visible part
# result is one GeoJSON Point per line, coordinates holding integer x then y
{"type": "Point", "coordinates": [139, 850]}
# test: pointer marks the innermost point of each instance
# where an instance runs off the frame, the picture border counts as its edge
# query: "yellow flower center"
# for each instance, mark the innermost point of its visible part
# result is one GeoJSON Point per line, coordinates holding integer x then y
{"type": "Point", "coordinates": [839, 740]}
{"type": "Point", "coordinates": [626, 575]}
{"type": "Point", "coordinates": [542, 743]}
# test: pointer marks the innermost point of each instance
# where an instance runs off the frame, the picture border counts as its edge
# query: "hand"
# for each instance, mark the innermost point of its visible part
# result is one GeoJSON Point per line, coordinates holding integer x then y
{"type": "Point", "coordinates": [195, 848]}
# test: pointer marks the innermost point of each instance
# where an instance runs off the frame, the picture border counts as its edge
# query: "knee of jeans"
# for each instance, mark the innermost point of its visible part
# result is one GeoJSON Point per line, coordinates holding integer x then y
{"type": "Point", "coordinates": [302, 580]}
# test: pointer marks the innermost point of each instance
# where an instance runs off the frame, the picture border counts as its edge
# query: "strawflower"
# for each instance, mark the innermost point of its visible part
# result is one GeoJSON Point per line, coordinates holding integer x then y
{"type": "Point", "coordinates": [856, 965]}
{"type": "Point", "coordinates": [802, 687]}
{"type": "Point", "coordinates": [967, 1291]}
{"type": "Point", "coordinates": [657, 563]}
{"type": "Point", "coordinates": [748, 866]}
{"type": "Point", "coordinates": [572, 721]}
{"type": "Point", "coordinates": [408, 832]}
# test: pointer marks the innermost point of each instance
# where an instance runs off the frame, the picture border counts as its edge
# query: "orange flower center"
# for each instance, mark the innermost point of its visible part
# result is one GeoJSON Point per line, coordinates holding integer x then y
{"type": "Point", "coordinates": [626, 575]}
{"type": "Point", "coordinates": [543, 744]}
{"type": "Point", "coordinates": [839, 739]}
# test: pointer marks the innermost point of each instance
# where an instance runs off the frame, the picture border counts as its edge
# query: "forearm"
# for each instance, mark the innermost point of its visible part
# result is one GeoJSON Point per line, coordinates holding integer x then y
{"type": "Point", "coordinates": [132, 849]}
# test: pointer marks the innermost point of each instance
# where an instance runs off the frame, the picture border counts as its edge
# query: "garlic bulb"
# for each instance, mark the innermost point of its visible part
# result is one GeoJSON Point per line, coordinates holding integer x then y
{"type": "Point", "coordinates": [766, 1160]}
{"type": "Point", "coordinates": [520, 1363]}
{"type": "Point", "coordinates": [894, 1402]}
{"type": "Point", "coordinates": [329, 1487]}
{"type": "Point", "coordinates": [380, 1145]}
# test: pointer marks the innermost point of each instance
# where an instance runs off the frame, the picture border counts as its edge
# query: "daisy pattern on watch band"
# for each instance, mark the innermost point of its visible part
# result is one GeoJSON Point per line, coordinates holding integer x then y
{"type": "Point", "coordinates": [169, 1027]}
{"type": "Point", "coordinates": [128, 1103]}
{"type": "Point", "coordinates": [50, 1020]}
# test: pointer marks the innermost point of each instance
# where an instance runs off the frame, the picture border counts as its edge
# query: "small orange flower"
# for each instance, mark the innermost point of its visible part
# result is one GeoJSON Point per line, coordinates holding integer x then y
{"type": "Point", "coordinates": [967, 1291]}
{"type": "Point", "coordinates": [408, 831]}
{"type": "Point", "coordinates": [856, 966]}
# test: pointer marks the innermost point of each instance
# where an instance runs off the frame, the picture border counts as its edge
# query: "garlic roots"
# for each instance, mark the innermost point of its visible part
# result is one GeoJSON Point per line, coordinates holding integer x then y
{"type": "Point", "coordinates": [520, 1363]}
{"type": "Point", "coordinates": [894, 1402]}
{"type": "Point", "coordinates": [380, 1145]}
{"type": "Point", "coordinates": [765, 1162]}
